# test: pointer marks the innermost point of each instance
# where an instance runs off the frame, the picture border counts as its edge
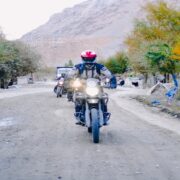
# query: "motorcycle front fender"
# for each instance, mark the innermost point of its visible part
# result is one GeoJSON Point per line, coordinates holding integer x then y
{"type": "Point", "coordinates": [88, 118]}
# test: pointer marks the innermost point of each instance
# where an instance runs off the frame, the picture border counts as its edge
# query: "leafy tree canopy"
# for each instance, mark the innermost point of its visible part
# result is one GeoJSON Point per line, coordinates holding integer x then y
{"type": "Point", "coordinates": [156, 37]}
{"type": "Point", "coordinates": [16, 59]}
{"type": "Point", "coordinates": [118, 63]}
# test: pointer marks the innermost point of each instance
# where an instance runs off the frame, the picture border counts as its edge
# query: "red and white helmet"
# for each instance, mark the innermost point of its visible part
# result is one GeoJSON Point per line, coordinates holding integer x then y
{"type": "Point", "coordinates": [88, 56]}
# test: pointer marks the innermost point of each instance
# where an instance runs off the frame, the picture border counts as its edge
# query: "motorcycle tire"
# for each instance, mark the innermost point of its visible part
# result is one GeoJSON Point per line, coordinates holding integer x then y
{"type": "Point", "coordinates": [95, 125]}
{"type": "Point", "coordinates": [59, 92]}
{"type": "Point", "coordinates": [89, 129]}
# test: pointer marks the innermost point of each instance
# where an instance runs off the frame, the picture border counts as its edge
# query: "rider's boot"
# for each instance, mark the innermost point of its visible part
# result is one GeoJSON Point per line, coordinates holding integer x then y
{"type": "Point", "coordinates": [79, 118]}
{"type": "Point", "coordinates": [106, 118]}
{"type": "Point", "coordinates": [70, 96]}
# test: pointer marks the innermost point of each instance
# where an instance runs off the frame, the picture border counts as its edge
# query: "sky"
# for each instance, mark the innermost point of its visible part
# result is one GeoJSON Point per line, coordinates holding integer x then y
{"type": "Point", "coordinates": [17, 17]}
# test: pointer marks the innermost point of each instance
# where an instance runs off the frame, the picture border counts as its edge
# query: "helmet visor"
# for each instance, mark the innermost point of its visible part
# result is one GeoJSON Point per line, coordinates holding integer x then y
{"type": "Point", "coordinates": [88, 59]}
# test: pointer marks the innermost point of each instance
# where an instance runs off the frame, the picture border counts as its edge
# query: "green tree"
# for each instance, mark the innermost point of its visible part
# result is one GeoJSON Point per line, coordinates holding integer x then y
{"type": "Point", "coordinates": [29, 60]}
{"type": "Point", "coordinates": [160, 58]}
{"type": "Point", "coordinates": [69, 64]}
{"type": "Point", "coordinates": [162, 24]}
{"type": "Point", "coordinates": [118, 63]}
{"type": "Point", "coordinates": [16, 59]}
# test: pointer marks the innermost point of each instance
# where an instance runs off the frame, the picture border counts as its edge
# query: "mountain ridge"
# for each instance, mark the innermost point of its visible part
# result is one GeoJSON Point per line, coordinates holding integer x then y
{"type": "Point", "coordinates": [94, 24]}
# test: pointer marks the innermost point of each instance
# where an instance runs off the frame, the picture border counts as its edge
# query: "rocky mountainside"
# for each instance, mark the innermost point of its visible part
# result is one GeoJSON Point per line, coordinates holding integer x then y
{"type": "Point", "coordinates": [101, 25]}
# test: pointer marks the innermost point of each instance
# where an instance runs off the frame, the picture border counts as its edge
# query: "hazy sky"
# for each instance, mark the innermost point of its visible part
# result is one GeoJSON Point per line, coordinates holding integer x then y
{"type": "Point", "coordinates": [18, 17]}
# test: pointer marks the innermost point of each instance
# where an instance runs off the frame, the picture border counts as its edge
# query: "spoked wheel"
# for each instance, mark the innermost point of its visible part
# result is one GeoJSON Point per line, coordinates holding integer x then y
{"type": "Point", "coordinates": [95, 125]}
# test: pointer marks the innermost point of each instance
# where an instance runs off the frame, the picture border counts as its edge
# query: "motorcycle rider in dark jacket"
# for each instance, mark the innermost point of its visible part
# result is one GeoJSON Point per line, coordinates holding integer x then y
{"type": "Point", "coordinates": [58, 79]}
{"type": "Point", "coordinates": [90, 69]}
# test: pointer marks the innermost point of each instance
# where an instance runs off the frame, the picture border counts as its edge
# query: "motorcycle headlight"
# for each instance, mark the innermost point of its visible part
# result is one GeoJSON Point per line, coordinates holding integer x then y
{"type": "Point", "coordinates": [61, 83]}
{"type": "Point", "coordinates": [76, 84]}
{"type": "Point", "coordinates": [92, 91]}
{"type": "Point", "coordinates": [91, 84]}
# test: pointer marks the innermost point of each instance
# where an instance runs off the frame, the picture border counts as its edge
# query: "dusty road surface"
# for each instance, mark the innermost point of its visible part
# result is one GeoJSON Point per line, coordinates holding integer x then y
{"type": "Point", "coordinates": [40, 141]}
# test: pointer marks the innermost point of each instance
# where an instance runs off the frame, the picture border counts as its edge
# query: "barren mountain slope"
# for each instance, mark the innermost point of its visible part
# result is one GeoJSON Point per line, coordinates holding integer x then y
{"type": "Point", "coordinates": [101, 25]}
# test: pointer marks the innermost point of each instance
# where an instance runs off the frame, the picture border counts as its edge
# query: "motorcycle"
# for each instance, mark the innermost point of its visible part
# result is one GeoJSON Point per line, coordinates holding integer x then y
{"type": "Point", "coordinates": [60, 90]}
{"type": "Point", "coordinates": [92, 99]}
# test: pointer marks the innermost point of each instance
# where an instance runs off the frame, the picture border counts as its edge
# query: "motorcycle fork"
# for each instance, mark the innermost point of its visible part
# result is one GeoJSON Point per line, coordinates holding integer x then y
{"type": "Point", "coordinates": [88, 114]}
{"type": "Point", "coordinates": [101, 117]}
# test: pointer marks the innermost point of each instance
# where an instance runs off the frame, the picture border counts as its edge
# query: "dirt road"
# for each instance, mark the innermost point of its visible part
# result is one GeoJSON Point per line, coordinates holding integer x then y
{"type": "Point", "coordinates": [40, 141]}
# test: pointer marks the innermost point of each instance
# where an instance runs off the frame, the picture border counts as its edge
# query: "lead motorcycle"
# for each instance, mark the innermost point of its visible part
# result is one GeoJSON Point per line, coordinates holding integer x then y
{"type": "Point", "coordinates": [92, 99]}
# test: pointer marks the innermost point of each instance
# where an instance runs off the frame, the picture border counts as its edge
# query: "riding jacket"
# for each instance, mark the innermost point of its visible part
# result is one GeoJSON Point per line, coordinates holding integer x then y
{"type": "Point", "coordinates": [80, 70]}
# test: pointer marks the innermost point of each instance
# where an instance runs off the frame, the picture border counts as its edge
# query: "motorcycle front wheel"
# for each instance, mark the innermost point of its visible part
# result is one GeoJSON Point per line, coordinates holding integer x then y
{"type": "Point", "coordinates": [95, 125]}
{"type": "Point", "coordinates": [59, 91]}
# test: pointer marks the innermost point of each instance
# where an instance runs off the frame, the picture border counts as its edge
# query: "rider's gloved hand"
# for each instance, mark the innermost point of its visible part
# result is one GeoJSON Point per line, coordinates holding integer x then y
{"type": "Point", "coordinates": [113, 83]}
{"type": "Point", "coordinates": [113, 86]}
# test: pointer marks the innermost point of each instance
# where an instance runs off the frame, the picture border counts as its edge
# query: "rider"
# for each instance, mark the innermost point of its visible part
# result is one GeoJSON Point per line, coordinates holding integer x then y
{"type": "Point", "coordinates": [60, 78]}
{"type": "Point", "coordinates": [90, 69]}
